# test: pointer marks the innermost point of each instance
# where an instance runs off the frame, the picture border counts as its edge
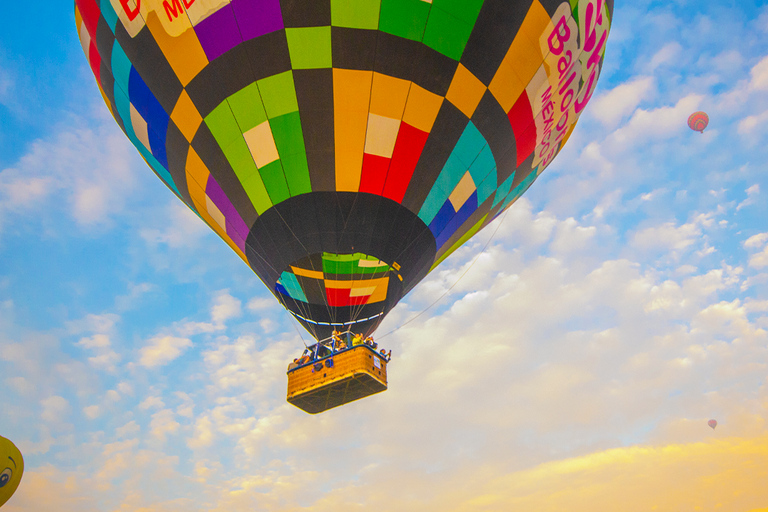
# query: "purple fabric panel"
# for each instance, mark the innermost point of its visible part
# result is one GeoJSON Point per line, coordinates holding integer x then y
{"type": "Point", "coordinates": [218, 33]}
{"type": "Point", "coordinates": [235, 236]}
{"type": "Point", "coordinates": [236, 227]}
{"type": "Point", "coordinates": [257, 17]}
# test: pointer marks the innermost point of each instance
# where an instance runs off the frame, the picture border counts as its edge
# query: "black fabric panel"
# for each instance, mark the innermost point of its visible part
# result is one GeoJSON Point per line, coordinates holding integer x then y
{"type": "Point", "coordinates": [268, 54]}
{"type": "Point", "coordinates": [523, 171]}
{"type": "Point", "coordinates": [220, 79]}
{"type": "Point", "coordinates": [506, 165]}
{"type": "Point", "coordinates": [314, 92]}
{"type": "Point", "coordinates": [210, 153]}
{"type": "Point", "coordinates": [341, 223]}
{"type": "Point", "coordinates": [306, 13]}
{"type": "Point", "coordinates": [105, 39]}
{"type": "Point", "coordinates": [177, 149]}
{"type": "Point", "coordinates": [493, 123]}
{"type": "Point", "coordinates": [152, 66]}
{"type": "Point", "coordinates": [495, 29]}
{"type": "Point", "coordinates": [353, 48]}
{"type": "Point", "coordinates": [551, 6]}
{"type": "Point", "coordinates": [449, 126]}
{"type": "Point", "coordinates": [412, 60]}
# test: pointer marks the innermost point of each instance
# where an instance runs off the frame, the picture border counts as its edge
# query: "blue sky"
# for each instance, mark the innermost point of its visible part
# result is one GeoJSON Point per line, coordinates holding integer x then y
{"type": "Point", "coordinates": [620, 305]}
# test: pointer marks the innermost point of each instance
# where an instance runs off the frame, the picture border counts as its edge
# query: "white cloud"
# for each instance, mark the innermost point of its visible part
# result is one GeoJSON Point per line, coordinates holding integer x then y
{"type": "Point", "coordinates": [752, 193]}
{"type": "Point", "coordinates": [95, 341]}
{"type": "Point", "coordinates": [759, 260]}
{"type": "Point", "coordinates": [224, 307]}
{"type": "Point", "coordinates": [130, 429]}
{"type": "Point", "coordinates": [203, 434]}
{"type": "Point", "coordinates": [161, 350]}
{"type": "Point", "coordinates": [182, 229]}
{"type": "Point", "coordinates": [667, 54]}
{"type": "Point", "coordinates": [92, 412]}
{"type": "Point", "coordinates": [90, 168]}
{"type": "Point", "coordinates": [55, 408]}
{"type": "Point", "coordinates": [610, 107]}
{"type": "Point", "coordinates": [666, 236]}
{"type": "Point", "coordinates": [753, 124]}
{"type": "Point", "coordinates": [758, 80]}
{"type": "Point", "coordinates": [102, 324]}
{"type": "Point", "coordinates": [152, 402]}
{"type": "Point", "coordinates": [756, 241]}
{"type": "Point", "coordinates": [163, 424]}
{"type": "Point", "coordinates": [654, 124]}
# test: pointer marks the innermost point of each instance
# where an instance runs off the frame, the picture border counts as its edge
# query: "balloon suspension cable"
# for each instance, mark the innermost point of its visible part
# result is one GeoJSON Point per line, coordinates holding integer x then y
{"type": "Point", "coordinates": [293, 323]}
{"type": "Point", "coordinates": [454, 284]}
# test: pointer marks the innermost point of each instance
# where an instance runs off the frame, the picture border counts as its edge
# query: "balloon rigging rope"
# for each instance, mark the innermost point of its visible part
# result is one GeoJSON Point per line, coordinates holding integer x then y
{"type": "Point", "coordinates": [454, 284]}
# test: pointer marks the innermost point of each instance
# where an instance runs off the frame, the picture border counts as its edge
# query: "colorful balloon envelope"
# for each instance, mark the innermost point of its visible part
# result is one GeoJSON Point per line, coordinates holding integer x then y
{"type": "Point", "coordinates": [344, 148]}
{"type": "Point", "coordinates": [712, 424]}
{"type": "Point", "coordinates": [11, 469]}
{"type": "Point", "coordinates": [698, 121]}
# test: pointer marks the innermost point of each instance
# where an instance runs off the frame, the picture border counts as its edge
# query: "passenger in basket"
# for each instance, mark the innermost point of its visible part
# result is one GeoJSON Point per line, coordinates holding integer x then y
{"type": "Point", "coordinates": [357, 340]}
{"type": "Point", "coordinates": [294, 364]}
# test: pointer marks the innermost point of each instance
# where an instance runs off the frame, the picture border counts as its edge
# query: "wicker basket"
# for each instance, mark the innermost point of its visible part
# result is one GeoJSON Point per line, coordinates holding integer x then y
{"type": "Point", "coordinates": [337, 379]}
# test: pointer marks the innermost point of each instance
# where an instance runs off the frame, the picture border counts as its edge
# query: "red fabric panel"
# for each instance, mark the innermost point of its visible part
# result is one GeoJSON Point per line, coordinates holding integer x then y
{"type": "Point", "coordinates": [408, 147]}
{"type": "Point", "coordinates": [337, 297]}
{"type": "Point", "coordinates": [521, 119]}
{"type": "Point", "coordinates": [90, 12]}
{"type": "Point", "coordinates": [374, 173]}
{"type": "Point", "coordinates": [95, 60]}
{"type": "Point", "coordinates": [359, 301]}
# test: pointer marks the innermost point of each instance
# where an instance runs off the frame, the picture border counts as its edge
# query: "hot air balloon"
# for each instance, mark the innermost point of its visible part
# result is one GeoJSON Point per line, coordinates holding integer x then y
{"type": "Point", "coordinates": [712, 424]}
{"type": "Point", "coordinates": [11, 469]}
{"type": "Point", "coordinates": [344, 148]}
{"type": "Point", "coordinates": [698, 121]}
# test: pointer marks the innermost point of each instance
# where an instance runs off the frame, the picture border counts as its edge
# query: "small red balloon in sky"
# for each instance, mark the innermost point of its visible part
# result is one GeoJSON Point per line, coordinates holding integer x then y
{"type": "Point", "coordinates": [712, 423]}
{"type": "Point", "coordinates": [698, 121]}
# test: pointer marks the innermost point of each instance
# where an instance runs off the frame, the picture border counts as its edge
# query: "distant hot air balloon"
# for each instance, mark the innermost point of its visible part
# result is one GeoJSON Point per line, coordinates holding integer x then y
{"type": "Point", "coordinates": [344, 149]}
{"type": "Point", "coordinates": [698, 121]}
{"type": "Point", "coordinates": [11, 469]}
{"type": "Point", "coordinates": [712, 423]}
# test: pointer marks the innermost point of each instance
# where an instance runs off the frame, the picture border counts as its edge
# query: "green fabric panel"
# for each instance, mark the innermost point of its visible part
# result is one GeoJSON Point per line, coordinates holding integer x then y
{"type": "Point", "coordinates": [520, 189]}
{"type": "Point", "coordinates": [223, 125]}
{"type": "Point", "coordinates": [464, 154]}
{"type": "Point", "coordinates": [355, 13]}
{"type": "Point", "coordinates": [342, 257]}
{"type": "Point", "coordinates": [296, 171]}
{"type": "Point", "coordinates": [481, 168]}
{"type": "Point", "coordinates": [469, 234]}
{"type": "Point", "coordinates": [338, 267]}
{"type": "Point", "coordinates": [310, 47]}
{"type": "Point", "coordinates": [257, 193]}
{"type": "Point", "coordinates": [247, 108]}
{"type": "Point", "coordinates": [240, 158]}
{"type": "Point", "coordinates": [503, 190]}
{"type": "Point", "coordinates": [446, 34]}
{"type": "Point", "coordinates": [465, 10]}
{"type": "Point", "coordinates": [292, 286]}
{"type": "Point", "coordinates": [487, 187]}
{"type": "Point", "coordinates": [287, 133]}
{"type": "Point", "coordinates": [274, 181]}
{"type": "Point", "coordinates": [289, 140]}
{"type": "Point", "coordinates": [404, 18]}
{"type": "Point", "coordinates": [279, 94]}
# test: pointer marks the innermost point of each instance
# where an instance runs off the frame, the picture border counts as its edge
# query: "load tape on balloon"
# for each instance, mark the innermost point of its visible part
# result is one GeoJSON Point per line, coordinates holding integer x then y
{"type": "Point", "coordinates": [344, 148]}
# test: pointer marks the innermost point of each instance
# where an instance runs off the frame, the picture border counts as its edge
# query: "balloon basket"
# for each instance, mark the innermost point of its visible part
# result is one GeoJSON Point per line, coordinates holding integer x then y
{"type": "Point", "coordinates": [337, 379]}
